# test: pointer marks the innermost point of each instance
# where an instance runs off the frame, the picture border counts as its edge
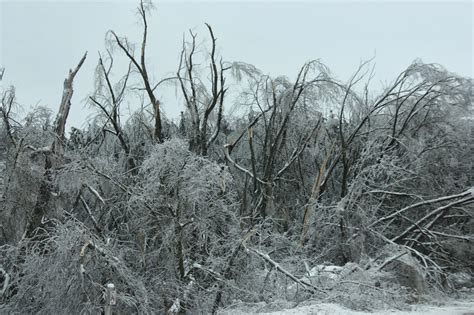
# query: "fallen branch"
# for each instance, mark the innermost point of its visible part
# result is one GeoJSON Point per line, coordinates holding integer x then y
{"type": "Point", "coordinates": [305, 285]}
{"type": "Point", "coordinates": [423, 203]}
{"type": "Point", "coordinates": [468, 199]}
{"type": "Point", "coordinates": [91, 216]}
{"type": "Point", "coordinates": [395, 193]}
{"type": "Point", "coordinates": [213, 273]}
{"type": "Point", "coordinates": [227, 149]}
{"type": "Point", "coordinates": [424, 259]}
{"type": "Point", "coordinates": [386, 262]}
{"type": "Point", "coordinates": [95, 193]}
{"type": "Point", "coordinates": [465, 238]}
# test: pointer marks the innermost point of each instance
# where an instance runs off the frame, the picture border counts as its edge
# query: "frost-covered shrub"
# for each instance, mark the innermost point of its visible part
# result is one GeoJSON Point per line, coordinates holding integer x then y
{"type": "Point", "coordinates": [184, 222]}
{"type": "Point", "coordinates": [21, 171]}
{"type": "Point", "coordinates": [66, 272]}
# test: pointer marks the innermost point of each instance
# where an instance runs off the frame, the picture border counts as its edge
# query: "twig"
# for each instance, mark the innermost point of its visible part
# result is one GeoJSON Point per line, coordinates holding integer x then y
{"type": "Point", "coordinates": [95, 193]}
{"type": "Point", "coordinates": [89, 212]}
{"type": "Point", "coordinates": [395, 193]}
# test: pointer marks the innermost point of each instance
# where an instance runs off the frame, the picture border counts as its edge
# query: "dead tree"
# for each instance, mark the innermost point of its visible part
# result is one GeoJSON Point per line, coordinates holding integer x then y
{"type": "Point", "coordinates": [277, 101]}
{"type": "Point", "coordinates": [140, 65]}
{"type": "Point", "coordinates": [113, 98]}
{"type": "Point", "coordinates": [200, 103]}
{"type": "Point", "coordinates": [64, 107]}
{"type": "Point", "coordinates": [53, 156]}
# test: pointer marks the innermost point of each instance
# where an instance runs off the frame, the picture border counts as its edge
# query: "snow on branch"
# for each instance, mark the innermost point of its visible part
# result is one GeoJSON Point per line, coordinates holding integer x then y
{"type": "Point", "coordinates": [423, 203]}
{"type": "Point", "coordinates": [304, 284]}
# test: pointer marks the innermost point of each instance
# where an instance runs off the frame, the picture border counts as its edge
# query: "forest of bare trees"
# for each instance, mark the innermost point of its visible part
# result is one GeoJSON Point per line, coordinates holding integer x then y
{"type": "Point", "coordinates": [314, 189]}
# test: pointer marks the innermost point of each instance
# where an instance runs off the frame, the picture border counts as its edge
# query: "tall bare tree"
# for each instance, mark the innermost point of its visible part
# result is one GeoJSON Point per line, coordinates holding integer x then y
{"type": "Point", "coordinates": [140, 65]}
{"type": "Point", "coordinates": [108, 97]}
{"type": "Point", "coordinates": [202, 103]}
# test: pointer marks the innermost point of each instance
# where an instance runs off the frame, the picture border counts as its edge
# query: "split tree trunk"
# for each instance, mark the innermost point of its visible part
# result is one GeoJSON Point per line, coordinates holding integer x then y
{"type": "Point", "coordinates": [53, 157]}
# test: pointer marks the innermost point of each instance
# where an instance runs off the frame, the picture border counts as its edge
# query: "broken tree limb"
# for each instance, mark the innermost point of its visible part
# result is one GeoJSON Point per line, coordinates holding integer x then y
{"type": "Point", "coordinates": [227, 149]}
{"type": "Point", "coordinates": [422, 203]}
{"type": "Point", "coordinates": [315, 193]}
{"type": "Point", "coordinates": [387, 261]}
{"type": "Point", "coordinates": [394, 193]}
{"type": "Point", "coordinates": [213, 273]}
{"type": "Point", "coordinates": [89, 213]}
{"type": "Point", "coordinates": [469, 198]}
{"type": "Point", "coordinates": [304, 284]}
{"type": "Point", "coordinates": [460, 237]}
{"type": "Point", "coordinates": [423, 258]}
{"type": "Point", "coordinates": [437, 217]}
{"type": "Point", "coordinates": [95, 193]}
{"type": "Point", "coordinates": [42, 208]}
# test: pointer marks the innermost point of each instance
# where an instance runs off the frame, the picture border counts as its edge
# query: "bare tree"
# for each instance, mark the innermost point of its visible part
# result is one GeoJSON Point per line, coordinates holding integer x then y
{"type": "Point", "coordinates": [140, 65]}
{"type": "Point", "coordinates": [201, 103]}
{"type": "Point", "coordinates": [114, 95]}
{"type": "Point", "coordinates": [277, 101]}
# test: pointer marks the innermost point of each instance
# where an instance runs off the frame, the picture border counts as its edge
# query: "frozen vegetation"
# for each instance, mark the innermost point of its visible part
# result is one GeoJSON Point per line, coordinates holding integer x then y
{"type": "Point", "coordinates": [315, 197]}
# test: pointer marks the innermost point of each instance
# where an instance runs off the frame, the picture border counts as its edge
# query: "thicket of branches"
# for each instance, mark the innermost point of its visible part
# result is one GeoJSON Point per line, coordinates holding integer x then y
{"type": "Point", "coordinates": [217, 209]}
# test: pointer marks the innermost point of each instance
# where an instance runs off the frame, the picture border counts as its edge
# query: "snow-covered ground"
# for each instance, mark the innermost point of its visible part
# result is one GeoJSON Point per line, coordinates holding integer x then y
{"type": "Point", "coordinates": [458, 308]}
{"type": "Point", "coordinates": [453, 308]}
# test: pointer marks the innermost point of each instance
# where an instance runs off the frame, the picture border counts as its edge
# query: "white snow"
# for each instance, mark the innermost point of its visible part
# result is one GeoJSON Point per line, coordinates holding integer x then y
{"type": "Point", "coordinates": [471, 190]}
{"type": "Point", "coordinates": [459, 308]}
{"type": "Point", "coordinates": [453, 308]}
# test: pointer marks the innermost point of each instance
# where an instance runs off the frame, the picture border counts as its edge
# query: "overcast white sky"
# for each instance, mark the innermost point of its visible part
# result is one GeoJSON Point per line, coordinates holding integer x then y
{"type": "Point", "coordinates": [41, 40]}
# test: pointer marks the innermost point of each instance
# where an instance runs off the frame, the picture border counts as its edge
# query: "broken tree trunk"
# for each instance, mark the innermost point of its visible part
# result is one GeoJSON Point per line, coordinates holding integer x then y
{"type": "Point", "coordinates": [64, 107]}
{"type": "Point", "coordinates": [54, 157]}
